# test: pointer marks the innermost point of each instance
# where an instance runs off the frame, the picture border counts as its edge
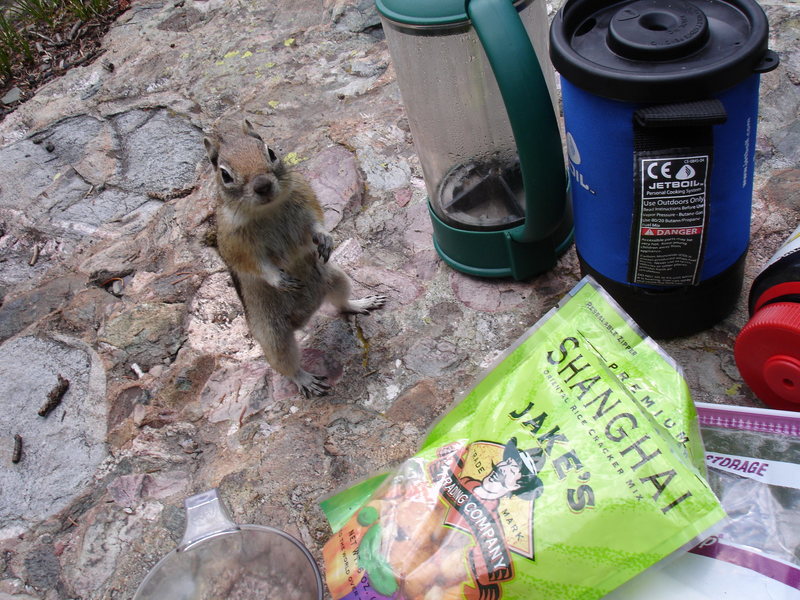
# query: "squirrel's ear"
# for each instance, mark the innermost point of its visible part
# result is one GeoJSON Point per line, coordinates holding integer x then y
{"type": "Point", "coordinates": [212, 150]}
{"type": "Point", "coordinates": [247, 128]}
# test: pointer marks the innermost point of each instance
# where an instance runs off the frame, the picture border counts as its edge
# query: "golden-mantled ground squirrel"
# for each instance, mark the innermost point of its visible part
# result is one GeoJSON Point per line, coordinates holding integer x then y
{"type": "Point", "coordinates": [269, 233]}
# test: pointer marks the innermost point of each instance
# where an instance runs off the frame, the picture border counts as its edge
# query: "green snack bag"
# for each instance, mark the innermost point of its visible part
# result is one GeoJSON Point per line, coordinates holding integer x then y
{"type": "Point", "coordinates": [575, 464]}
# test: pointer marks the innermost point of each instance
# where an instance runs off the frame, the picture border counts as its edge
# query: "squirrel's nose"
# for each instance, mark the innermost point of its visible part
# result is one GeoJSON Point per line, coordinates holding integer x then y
{"type": "Point", "coordinates": [262, 185]}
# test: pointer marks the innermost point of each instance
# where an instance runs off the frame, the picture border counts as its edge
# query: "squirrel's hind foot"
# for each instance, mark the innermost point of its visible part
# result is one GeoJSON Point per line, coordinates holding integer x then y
{"type": "Point", "coordinates": [311, 385]}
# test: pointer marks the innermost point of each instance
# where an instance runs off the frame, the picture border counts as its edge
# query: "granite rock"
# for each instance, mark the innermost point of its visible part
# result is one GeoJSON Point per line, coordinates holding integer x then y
{"type": "Point", "coordinates": [104, 182]}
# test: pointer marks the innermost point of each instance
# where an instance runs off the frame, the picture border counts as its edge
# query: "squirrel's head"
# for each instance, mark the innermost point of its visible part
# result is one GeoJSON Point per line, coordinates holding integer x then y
{"type": "Point", "coordinates": [247, 170]}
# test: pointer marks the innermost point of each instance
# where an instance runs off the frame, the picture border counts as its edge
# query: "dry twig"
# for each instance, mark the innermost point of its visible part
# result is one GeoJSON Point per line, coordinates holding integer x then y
{"type": "Point", "coordinates": [34, 255]}
{"type": "Point", "coordinates": [54, 396]}
{"type": "Point", "coordinates": [16, 456]}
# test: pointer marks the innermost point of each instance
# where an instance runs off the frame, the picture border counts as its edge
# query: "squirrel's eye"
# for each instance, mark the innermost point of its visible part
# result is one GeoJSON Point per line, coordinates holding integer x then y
{"type": "Point", "coordinates": [272, 155]}
{"type": "Point", "coordinates": [225, 174]}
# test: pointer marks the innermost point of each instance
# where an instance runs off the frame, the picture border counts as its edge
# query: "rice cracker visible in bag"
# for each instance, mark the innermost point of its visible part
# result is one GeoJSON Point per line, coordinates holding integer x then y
{"type": "Point", "coordinates": [573, 465]}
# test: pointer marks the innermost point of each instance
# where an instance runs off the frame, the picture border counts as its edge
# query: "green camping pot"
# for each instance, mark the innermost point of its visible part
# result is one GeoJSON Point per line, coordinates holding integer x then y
{"type": "Point", "coordinates": [478, 90]}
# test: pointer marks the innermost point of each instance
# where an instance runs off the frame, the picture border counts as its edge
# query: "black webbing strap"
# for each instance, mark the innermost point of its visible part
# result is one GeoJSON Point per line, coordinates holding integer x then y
{"type": "Point", "coordinates": [673, 148]}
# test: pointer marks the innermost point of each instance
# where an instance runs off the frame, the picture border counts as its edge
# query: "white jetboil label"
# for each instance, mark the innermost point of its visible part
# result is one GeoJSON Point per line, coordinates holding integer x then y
{"type": "Point", "coordinates": [671, 220]}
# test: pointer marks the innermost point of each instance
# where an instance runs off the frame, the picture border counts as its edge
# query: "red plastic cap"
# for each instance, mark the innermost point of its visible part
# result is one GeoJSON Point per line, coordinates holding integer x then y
{"type": "Point", "coordinates": [767, 353]}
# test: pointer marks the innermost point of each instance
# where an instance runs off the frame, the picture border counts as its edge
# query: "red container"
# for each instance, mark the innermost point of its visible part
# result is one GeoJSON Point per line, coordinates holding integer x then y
{"type": "Point", "coordinates": [767, 350]}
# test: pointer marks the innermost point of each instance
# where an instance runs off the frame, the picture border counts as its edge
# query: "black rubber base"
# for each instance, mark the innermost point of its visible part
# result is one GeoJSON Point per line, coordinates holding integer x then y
{"type": "Point", "coordinates": [677, 312]}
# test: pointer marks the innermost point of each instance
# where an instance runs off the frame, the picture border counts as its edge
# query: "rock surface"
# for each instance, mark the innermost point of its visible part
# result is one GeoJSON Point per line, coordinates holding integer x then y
{"type": "Point", "coordinates": [108, 276]}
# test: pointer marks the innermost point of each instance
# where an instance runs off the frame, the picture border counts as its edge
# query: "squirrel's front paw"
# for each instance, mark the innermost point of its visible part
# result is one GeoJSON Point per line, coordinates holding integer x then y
{"type": "Point", "coordinates": [288, 283]}
{"type": "Point", "coordinates": [324, 244]}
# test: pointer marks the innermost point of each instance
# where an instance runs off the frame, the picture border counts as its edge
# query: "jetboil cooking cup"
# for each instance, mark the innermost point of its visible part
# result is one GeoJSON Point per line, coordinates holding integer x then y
{"type": "Point", "coordinates": [220, 560]}
{"type": "Point", "coordinates": [660, 103]}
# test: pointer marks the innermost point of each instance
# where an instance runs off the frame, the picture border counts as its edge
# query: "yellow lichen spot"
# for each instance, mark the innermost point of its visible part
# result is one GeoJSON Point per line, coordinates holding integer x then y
{"type": "Point", "coordinates": [185, 55]}
{"type": "Point", "coordinates": [273, 103]}
{"type": "Point", "coordinates": [733, 390]}
{"type": "Point", "coordinates": [289, 42]}
{"type": "Point", "coordinates": [247, 54]}
{"type": "Point", "coordinates": [364, 345]}
{"type": "Point", "coordinates": [269, 65]}
{"type": "Point", "coordinates": [293, 158]}
{"type": "Point", "coordinates": [231, 54]}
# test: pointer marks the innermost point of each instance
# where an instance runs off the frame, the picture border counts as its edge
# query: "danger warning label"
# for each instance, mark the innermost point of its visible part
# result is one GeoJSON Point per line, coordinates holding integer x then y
{"type": "Point", "coordinates": [671, 199]}
{"type": "Point", "coordinates": [679, 231]}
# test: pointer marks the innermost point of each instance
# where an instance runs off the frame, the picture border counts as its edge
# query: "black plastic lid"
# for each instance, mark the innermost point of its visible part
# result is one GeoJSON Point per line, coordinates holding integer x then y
{"type": "Point", "coordinates": [660, 50]}
{"type": "Point", "coordinates": [784, 270]}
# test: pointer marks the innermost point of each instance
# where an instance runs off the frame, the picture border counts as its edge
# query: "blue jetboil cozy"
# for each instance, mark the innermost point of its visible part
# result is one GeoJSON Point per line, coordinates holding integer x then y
{"type": "Point", "coordinates": [660, 104]}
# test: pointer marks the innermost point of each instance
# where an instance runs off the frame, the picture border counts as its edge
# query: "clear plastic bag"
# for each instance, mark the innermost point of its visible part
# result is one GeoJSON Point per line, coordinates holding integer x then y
{"type": "Point", "coordinates": [753, 458]}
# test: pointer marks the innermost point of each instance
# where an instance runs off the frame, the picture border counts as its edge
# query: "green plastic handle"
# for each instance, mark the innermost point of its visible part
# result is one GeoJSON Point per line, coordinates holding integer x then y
{"type": "Point", "coordinates": [530, 111]}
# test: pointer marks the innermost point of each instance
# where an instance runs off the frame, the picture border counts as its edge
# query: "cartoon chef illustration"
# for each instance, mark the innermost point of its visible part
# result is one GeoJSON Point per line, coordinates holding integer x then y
{"type": "Point", "coordinates": [515, 475]}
